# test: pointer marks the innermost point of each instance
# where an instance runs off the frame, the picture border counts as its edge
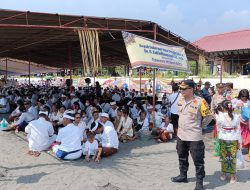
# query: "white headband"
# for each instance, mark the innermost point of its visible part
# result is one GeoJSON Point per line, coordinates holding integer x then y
{"type": "Point", "coordinates": [43, 112]}
{"type": "Point", "coordinates": [65, 115]}
{"type": "Point", "coordinates": [95, 127]}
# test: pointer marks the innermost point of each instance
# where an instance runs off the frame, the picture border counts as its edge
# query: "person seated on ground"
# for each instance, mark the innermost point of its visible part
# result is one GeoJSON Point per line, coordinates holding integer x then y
{"type": "Point", "coordinates": [88, 109]}
{"type": "Point", "coordinates": [4, 104]}
{"type": "Point", "coordinates": [82, 126]}
{"type": "Point", "coordinates": [31, 109]}
{"type": "Point", "coordinates": [150, 116]}
{"type": "Point", "coordinates": [95, 118]}
{"type": "Point", "coordinates": [21, 122]}
{"type": "Point", "coordinates": [108, 140]}
{"type": "Point", "coordinates": [91, 149]}
{"type": "Point", "coordinates": [40, 134]}
{"type": "Point", "coordinates": [165, 131]}
{"type": "Point", "coordinates": [76, 107]}
{"type": "Point", "coordinates": [125, 128]}
{"type": "Point", "coordinates": [113, 111]}
{"type": "Point", "coordinates": [105, 120]}
{"type": "Point", "coordinates": [15, 113]}
{"type": "Point", "coordinates": [65, 100]}
{"type": "Point", "coordinates": [118, 118]}
{"type": "Point", "coordinates": [69, 139]}
{"type": "Point", "coordinates": [147, 104]}
{"type": "Point", "coordinates": [84, 117]}
{"type": "Point", "coordinates": [142, 124]}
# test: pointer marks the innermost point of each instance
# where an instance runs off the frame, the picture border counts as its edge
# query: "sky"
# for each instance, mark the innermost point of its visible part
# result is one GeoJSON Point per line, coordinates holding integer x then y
{"type": "Point", "coordinates": [191, 19]}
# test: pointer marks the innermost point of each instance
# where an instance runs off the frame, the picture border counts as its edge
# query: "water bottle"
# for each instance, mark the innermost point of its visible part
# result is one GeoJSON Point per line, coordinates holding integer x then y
{"type": "Point", "coordinates": [3, 123]}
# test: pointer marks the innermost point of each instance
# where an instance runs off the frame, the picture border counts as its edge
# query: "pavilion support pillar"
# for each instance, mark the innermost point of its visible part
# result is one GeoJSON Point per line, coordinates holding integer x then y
{"type": "Point", "coordinates": [196, 68]}
{"type": "Point", "coordinates": [221, 70]}
{"type": "Point", "coordinates": [29, 74]}
{"type": "Point", "coordinates": [70, 65]}
{"type": "Point", "coordinates": [6, 69]}
{"type": "Point", "coordinates": [231, 66]}
{"type": "Point", "coordinates": [154, 76]}
{"type": "Point", "coordinates": [140, 79]}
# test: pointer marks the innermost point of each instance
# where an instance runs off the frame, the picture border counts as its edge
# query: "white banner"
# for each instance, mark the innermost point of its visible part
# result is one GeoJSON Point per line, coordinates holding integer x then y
{"type": "Point", "coordinates": [145, 52]}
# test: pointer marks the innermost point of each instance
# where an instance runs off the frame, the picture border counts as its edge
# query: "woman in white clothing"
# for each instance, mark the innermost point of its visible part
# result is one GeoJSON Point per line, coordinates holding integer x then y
{"type": "Point", "coordinates": [230, 139]}
{"type": "Point", "coordinates": [125, 127]}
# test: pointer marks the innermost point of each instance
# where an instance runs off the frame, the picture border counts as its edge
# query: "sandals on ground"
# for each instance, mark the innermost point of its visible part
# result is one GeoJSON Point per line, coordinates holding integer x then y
{"type": "Point", "coordinates": [223, 177]}
{"type": "Point", "coordinates": [233, 179]}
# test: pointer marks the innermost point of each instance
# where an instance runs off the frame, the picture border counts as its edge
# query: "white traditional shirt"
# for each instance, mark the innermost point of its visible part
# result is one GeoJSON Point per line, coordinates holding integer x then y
{"type": "Point", "coordinates": [25, 116]}
{"type": "Point", "coordinates": [70, 137]}
{"type": "Point", "coordinates": [40, 134]}
{"type": "Point", "coordinates": [33, 111]}
{"type": "Point", "coordinates": [109, 138]}
{"type": "Point", "coordinates": [126, 125]}
{"type": "Point", "coordinates": [113, 113]}
{"type": "Point", "coordinates": [228, 129]}
{"type": "Point", "coordinates": [91, 148]}
{"type": "Point", "coordinates": [169, 128]}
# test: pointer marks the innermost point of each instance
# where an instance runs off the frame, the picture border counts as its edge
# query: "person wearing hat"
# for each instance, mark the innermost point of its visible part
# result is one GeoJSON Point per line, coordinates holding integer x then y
{"type": "Point", "coordinates": [205, 92]}
{"type": "Point", "coordinates": [109, 142]}
{"type": "Point", "coordinates": [4, 104]}
{"type": "Point", "coordinates": [113, 111]}
{"type": "Point", "coordinates": [104, 120]}
{"type": "Point", "coordinates": [69, 139]}
{"type": "Point", "coordinates": [218, 97]}
{"type": "Point", "coordinates": [40, 134]}
{"type": "Point", "coordinates": [194, 114]}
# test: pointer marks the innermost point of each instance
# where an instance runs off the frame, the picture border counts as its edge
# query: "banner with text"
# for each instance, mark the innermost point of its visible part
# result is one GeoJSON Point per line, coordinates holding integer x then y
{"type": "Point", "coordinates": [145, 52]}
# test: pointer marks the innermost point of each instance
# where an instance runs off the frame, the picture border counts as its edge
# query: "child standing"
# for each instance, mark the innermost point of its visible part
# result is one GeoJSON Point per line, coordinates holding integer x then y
{"type": "Point", "coordinates": [230, 139]}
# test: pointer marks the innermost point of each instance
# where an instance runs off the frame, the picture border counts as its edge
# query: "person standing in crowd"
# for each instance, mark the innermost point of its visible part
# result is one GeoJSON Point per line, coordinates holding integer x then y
{"type": "Point", "coordinates": [229, 91]}
{"type": "Point", "coordinates": [173, 98]}
{"type": "Point", "coordinates": [69, 139]}
{"type": "Point", "coordinates": [216, 99]}
{"type": "Point", "coordinates": [205, 92]}
{"type": "Point", "coordinates": [40, 134]}
{"type": "Point", "coordinates": [243, 101]}
{"type": "Point", "coordinates": [194, 114]}
{"type": "Point", "coordinates": [230, 137]}
{"type": "Point", "coordinates": [197, 91]}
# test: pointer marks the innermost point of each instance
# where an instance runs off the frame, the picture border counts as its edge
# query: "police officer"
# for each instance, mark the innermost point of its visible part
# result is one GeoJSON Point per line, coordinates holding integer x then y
{"type": "Point", "coordinates": [194, 114]}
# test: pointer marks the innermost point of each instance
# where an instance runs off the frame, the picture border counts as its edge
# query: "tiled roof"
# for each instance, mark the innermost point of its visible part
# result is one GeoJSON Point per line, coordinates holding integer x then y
{"type": "Point", "coordinates": [235, 40]}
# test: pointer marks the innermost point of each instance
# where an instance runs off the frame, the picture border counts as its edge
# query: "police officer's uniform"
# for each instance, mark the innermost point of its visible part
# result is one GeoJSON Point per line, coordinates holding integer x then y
{"type": "Point", "coordinates": [192, 116]}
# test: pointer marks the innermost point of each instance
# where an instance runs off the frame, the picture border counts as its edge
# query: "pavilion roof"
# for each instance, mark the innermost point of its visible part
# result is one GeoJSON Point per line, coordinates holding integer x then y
{"type": "Point", "coordinates": [45, 38]}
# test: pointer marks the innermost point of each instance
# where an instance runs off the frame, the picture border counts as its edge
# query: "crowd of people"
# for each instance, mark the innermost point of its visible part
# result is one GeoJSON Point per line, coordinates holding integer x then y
{"type": "Point", "coordinates": [93, 121]}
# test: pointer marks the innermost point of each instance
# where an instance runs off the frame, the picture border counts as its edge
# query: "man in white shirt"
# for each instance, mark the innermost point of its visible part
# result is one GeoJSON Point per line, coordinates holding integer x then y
{"type": "Point", "coordinates": [40, 134]}
{"type": "Point", "coordinates": [31, 109]}
{"type": "Point", "coordinates": [113, 111]}
{"type": "Point", "coordinates": [109, 140]}
{"type": "Point", "coordinates": [104, 120]}
{"type": "Point", "coordinates": [116, 97]}
{"type": "Point", "coordinates": [174, 98]}
{"type": "Point", "coordinates": [69, 139]}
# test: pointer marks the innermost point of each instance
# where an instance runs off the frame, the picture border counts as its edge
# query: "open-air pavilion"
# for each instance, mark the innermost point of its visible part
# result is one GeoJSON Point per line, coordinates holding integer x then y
{"type": "Point", "coordinates": [52, 39]}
